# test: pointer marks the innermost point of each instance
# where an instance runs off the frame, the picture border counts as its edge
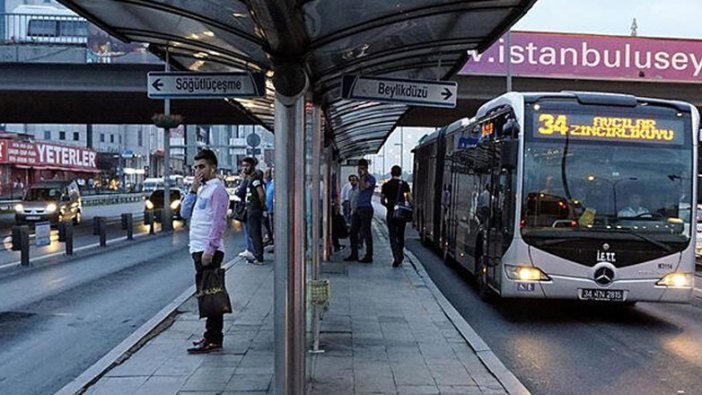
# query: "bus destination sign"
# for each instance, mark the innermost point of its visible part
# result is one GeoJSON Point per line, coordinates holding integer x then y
{"type": "Point", "coordinates": [607, 128]}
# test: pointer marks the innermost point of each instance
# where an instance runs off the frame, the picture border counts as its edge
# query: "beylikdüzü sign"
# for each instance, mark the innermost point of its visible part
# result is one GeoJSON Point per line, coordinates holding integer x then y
{"type": "Point", "coordinates": [45, 155]}
{"type": "Point", "coordinates": [558, 55]}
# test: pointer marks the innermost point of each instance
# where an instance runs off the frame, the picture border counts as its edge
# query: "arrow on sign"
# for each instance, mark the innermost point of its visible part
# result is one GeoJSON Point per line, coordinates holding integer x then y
{"type": "Point", "coordinates": [157, 84]}
{"type": "Point", "coordinates": [446, 93]}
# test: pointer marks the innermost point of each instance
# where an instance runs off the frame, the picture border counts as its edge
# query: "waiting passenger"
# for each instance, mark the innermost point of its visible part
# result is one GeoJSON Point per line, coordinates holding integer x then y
{"type": "Point", "coordinates": [635, 209]}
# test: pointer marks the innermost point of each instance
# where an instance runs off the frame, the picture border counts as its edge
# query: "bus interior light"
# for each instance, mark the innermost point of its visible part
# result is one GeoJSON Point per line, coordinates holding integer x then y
{"type": "Point", "coordinates": [525, 273]}
{"type": "Point", "coordinates": [677, 280]}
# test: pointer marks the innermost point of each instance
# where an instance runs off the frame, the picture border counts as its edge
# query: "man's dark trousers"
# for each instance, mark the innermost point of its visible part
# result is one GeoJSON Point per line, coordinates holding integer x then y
{"type": "Point", "coordinates": [254, 219]}
{"type": "Point", "coordinates": [361, 224]}
{"type": "Point", "coordinates": [214, 324]}
{"type": "Point", "coordinates": [396, 232]}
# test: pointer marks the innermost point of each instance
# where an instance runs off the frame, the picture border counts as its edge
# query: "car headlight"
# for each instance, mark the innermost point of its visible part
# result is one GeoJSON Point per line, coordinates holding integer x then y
{"type": "Point", "coordinates": [677, 280]}
{"type": "Point", "coordinates": [51, 208]}
{"type": "Point", "coordinates": [175, 204]}
{"type": "Point", "coordinates": [149, 205]}
{"type": "Point", "coordinates": [525, 273]}
{"type": "Point", "coordinates": [19, 208]}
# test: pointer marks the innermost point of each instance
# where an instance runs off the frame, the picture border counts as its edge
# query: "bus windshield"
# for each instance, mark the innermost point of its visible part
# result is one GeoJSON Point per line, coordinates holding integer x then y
{"type": "Point", "coordinates": [594, 173]}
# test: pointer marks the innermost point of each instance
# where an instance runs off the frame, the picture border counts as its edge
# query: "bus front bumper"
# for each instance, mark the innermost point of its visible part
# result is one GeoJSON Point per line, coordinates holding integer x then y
{"type": "Point", "coordinates": [561, 287]}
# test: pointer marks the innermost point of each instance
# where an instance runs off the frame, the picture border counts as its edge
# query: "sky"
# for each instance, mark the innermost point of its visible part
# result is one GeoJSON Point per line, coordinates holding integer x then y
{"type": "Point", "coordinates": [654, 18]}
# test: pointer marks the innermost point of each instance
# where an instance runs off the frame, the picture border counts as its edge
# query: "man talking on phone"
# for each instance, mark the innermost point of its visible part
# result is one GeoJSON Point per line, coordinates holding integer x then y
{"type": "Point", "coordinates": [363, 215]}
{"type": "Point", "coordinates": [206, 206]}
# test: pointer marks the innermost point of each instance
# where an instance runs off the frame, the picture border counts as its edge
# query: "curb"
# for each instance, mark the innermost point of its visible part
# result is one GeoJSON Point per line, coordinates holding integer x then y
{"type": "Point", "coordinates": [132, 343]}
{"type": "Point", "coordinates": [509, 381]}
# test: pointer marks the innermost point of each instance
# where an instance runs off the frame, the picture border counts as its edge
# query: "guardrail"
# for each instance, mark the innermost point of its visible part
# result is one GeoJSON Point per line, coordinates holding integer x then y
{"type": "Point", "coordinates": [88, 200]}
{"type": "Point", "coordinates": [43, 29]}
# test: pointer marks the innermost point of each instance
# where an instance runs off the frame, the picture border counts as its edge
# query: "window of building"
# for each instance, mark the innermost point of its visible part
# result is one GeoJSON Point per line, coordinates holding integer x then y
{"type": "Point", "coordinates": [102, 137]}
{"type": "Point", "coordinates": [76, 136]}
{"type": "Point", "coordinates": [47, 135]}
{"type": "Point", "coordinates": [62, 135]}
{"type": "Point", "coordinates": [120, 138]}
{"type": "Point", "coordinates": [140, 138]}
{"type": "Point", "coordinates": [112, 138]}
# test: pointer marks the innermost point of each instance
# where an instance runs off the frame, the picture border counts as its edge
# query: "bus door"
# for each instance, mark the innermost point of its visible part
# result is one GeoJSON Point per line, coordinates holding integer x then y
{"type": "Point", "coordinates": [501, 222]}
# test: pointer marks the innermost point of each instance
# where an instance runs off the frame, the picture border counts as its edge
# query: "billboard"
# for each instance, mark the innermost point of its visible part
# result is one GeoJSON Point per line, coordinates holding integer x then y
{"type": "Point", "coordinates": [42, 155]}
{"type": "Point", "coordinates": [587, 56]}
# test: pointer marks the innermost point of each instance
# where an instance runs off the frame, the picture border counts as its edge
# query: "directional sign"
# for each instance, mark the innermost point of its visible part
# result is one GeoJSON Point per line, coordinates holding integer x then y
{"type": "Point", "coordinates": [163, 85]}
{"type": "Point", "coordinates": [424, 93]}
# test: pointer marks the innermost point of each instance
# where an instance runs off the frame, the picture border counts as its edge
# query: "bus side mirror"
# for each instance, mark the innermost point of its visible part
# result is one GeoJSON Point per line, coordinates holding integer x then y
{"type": "Point", "coordinates": [509, 154]}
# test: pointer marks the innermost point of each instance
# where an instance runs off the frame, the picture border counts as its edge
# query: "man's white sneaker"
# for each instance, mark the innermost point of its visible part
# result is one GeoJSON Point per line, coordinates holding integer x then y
{"type": "Point", "coordinates": [257, 262]}
{"type": "Point", "coordinates": [249, 256]}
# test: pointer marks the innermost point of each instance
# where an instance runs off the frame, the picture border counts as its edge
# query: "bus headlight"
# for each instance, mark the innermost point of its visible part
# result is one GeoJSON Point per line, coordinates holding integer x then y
{"type": "Point", "coordinates": [525, 273]}
{"type": "Point", "coordinates": [676, 280]}
{"type": "Point", "coordinates": [175, 204]}
{"type": "Point", "coordinates": [149, 205]}
{"type": "Point", "coordinates": [51, 208]}
{"type": "Point", "coordinates": [19, 208]}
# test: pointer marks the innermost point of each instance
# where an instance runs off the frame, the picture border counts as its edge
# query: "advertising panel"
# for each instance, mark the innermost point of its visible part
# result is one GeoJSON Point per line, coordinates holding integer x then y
{"type": "Point", "coordinates": [46, 155]}
{"type": "Point", "coordinates": [587, 56]}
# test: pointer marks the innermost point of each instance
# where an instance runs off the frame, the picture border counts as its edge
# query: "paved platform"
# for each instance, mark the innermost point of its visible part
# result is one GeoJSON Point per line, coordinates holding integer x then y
{"type": "Point", "coordinates": [384, 332]}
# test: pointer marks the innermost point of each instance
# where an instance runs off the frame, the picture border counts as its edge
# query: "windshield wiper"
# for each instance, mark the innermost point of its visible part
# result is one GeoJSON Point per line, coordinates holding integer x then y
{"type": "Point", "coordinates": [560, 240]}
{"type": "Point", "coordinates": [645, 238]}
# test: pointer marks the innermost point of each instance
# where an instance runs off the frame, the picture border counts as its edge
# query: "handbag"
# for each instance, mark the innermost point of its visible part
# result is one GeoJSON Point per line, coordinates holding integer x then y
{"type": "Point", "coordinates": [402, 210]}
{"type": "Point", "coordinates": [212, 296]}
{"type": "Point", "coordinates": [239, 211]}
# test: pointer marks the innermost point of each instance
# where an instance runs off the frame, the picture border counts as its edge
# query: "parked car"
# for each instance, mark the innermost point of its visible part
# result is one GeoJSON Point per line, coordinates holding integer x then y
{"type": "Point", "coordinates": [154, 203]}
{"type": "Point", "coordinates": [53, 201]}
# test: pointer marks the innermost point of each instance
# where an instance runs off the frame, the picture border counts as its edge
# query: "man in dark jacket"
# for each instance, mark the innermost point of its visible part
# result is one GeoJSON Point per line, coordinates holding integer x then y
{"type": "Point", "coordinates": [392, 192]}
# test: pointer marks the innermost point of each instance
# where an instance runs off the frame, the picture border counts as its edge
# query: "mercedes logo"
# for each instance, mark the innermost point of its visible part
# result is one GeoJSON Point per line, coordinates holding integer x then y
{"type": "Point", "coordinates": [605, 246]}
{"type": "Point", "coordinates": [604, 275]}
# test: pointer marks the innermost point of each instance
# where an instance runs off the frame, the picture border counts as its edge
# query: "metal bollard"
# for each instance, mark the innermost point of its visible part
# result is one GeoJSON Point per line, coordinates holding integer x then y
{"type": "Point", "coordinates": [127, 224]}
{"type": "Point", "coordinates": [62, 232]}
{"type": "Point", "coordinates": [103, 232]}
{"type": "Point", "coordinates": [148, 217]}
{"type": "Point", "coordinates": [68, 233]}
{"type": "Point", "coordinates": [152, 223]}
{"type": "Point", "coordinates": [16, 236]}
{"type": "Point", "coordinates": [96, 226]}
{"type": "Point", "coordinates": [24, 245]}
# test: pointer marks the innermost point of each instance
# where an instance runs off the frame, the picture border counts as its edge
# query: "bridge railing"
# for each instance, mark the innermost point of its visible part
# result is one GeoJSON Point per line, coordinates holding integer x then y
{"type": "Point", "coordinates": [43, 29]}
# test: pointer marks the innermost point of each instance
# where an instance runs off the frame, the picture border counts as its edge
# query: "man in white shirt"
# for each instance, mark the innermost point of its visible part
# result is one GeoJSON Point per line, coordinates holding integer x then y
{"type": "Point", "coordinates": [345, 198]}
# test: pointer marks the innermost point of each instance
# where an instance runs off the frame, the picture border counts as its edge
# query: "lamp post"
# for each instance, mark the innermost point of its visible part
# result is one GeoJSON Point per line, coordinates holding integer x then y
{"type": "Point", "coordinates": [402, 148]}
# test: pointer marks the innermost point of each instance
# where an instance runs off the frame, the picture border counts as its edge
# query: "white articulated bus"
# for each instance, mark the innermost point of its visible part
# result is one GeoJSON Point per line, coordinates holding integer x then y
{"type": "Point", "coordinates": [570, 195]}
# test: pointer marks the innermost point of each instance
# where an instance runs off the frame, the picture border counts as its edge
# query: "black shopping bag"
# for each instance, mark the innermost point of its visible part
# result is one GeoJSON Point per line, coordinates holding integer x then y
{"type": "Point", "coordinates": [212, 296]}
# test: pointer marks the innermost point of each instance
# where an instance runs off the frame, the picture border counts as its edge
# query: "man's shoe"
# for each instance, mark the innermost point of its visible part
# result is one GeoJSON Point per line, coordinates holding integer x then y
{"type": "Point", "coordinates": [248, 255]}
{"type": "Point", "coordinates": [200, 342]}
{"type": "Point", "coordinates": [351, 258]}
{"type": "Point", "coordinates": [366, 259]}
{"type": "Point", "coordinates": [243, 253]}
{"type": "Point", "coordinates": [205, 348]}
{"type": "Point", "coordinates": [257, 262]}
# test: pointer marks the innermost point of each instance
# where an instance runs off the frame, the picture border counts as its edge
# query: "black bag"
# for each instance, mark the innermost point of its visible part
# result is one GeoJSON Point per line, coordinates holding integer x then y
{"type": "Point", "coordinates": [212, 296]}
{"type": "Point", "coordinates": [402, 211]}
{"type": "Point", "coordinates": [339, 226]}
{"type": "Point", "coordinates": [239, 211]}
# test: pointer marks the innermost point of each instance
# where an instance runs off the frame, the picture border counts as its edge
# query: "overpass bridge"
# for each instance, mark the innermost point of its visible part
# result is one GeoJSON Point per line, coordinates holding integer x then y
{"type": "Point", "coordinates": [109, 93]}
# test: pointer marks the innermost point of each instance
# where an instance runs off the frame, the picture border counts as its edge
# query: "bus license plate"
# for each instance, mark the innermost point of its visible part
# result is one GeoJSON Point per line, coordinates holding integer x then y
{"type": "Point", "coordinates": [609, 295]}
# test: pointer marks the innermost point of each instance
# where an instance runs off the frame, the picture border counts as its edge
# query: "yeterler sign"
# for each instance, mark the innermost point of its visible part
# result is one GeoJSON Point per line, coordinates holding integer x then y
{"type": "Point", "coordinates": [43, 155]}
{"type": "Point", "coordinates": [587, 56]}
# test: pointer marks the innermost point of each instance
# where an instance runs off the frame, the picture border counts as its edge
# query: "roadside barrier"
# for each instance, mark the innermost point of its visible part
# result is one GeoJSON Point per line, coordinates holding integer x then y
{"type": "Point", "coordinates": [22, 238]}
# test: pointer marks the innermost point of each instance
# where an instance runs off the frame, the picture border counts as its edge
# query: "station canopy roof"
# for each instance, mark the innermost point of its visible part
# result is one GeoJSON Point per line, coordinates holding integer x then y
{"type": "Point", "coordinates": [412, 39]}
